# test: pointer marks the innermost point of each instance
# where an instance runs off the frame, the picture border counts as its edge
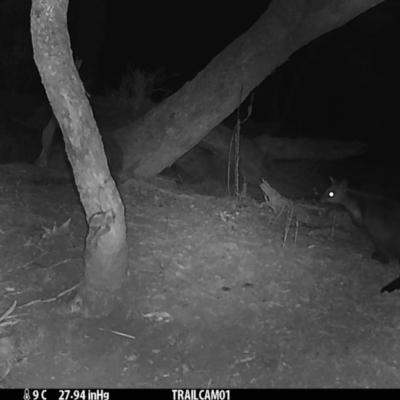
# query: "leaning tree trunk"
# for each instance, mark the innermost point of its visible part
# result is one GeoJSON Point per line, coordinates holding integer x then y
{"type": "Point", "coordinates": [105, 255]}
{"type": "Point", "coordinates": [170, 130]}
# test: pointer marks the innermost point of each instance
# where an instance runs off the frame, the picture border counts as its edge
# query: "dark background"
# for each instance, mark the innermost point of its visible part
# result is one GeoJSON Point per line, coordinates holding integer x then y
{"type": "Point", "coordinates": [344, 85]}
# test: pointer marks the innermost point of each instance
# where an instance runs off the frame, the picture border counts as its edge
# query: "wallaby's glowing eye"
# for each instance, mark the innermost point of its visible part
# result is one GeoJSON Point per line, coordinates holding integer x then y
{"type": "Point", "coordinates": [331, 194]}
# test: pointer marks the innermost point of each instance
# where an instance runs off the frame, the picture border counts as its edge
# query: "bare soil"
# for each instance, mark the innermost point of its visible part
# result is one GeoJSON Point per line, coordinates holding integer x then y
{"type": "Point", "coordinates": [217, 295]}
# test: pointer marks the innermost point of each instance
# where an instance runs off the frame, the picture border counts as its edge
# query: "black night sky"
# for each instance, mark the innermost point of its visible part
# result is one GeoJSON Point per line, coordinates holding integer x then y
{"type": "Point", "coordinates": [344, 85]}
{"type": "Point", "coordinates": [179, 37]}
{"type": "Point", "coordinates": [348, 89]}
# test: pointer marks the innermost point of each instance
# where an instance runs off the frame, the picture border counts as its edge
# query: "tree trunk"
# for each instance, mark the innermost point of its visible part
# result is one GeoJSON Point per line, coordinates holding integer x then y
{"type": "Point", "coordinates": [168, 131]}
{"type": "Point", "coordinates": [106, 255]}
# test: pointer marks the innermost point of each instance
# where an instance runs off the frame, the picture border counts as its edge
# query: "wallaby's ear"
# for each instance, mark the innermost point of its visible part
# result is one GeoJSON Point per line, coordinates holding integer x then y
{"type": "Point", "coordinates": [332, 180]}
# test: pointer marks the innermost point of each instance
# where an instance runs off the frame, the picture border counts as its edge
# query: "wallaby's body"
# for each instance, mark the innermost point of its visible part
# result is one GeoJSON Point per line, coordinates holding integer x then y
{"type": "Point", "coordinates": [380, 217]}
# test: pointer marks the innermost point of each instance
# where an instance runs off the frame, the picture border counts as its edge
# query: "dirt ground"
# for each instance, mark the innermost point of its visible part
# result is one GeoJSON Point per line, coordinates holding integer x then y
{"type": "Point", "coordinates": [216, 295]}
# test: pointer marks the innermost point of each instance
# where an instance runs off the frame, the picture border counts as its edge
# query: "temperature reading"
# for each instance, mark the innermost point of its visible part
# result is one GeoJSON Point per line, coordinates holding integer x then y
{"type": "Point", "coordinates": [38, 395]}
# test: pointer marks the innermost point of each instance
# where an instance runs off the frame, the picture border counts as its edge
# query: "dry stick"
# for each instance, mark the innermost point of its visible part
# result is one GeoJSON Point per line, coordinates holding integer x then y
{"type": "Point", "coordinates": [236, 138]}
{"type": "Point", "coordinates": [51, 299]}
{"type": "Point", "coordinates": [296, 231]}
{"type": "Point", "coordinates": [118, 333]}
{"type": "Point", "coordinates": [9, 311]}
{"type": "Point", "coordinates": [287, 226]}
{"type": "Point", "coordinates": [249, 112]}
{"type": "Point", "coordinates": [235, 145]}
{"type": "Point", "coordinates": [235, 142]}
{"type": "Point", "coordinates": [228, 175]}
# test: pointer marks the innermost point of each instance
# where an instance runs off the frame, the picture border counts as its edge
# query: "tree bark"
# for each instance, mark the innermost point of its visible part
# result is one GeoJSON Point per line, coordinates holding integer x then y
{"type": "Point", "coordinates": [106, 255]}
{"type": "Point", "coordinates": [168, 131]}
